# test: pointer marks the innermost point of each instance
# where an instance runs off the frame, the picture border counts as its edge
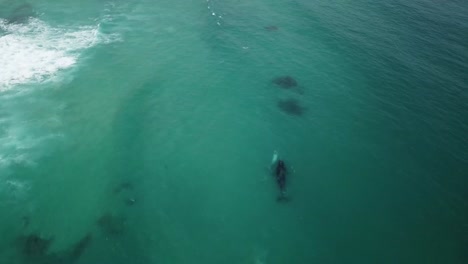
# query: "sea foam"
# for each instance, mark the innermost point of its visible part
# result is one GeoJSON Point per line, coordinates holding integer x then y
{"type": "Point", "coordinates": [34, 51]}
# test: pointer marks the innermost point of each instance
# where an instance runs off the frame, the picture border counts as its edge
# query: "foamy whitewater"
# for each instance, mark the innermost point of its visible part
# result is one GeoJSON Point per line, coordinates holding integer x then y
{"type": "Point", "coordinates": [34, 51]}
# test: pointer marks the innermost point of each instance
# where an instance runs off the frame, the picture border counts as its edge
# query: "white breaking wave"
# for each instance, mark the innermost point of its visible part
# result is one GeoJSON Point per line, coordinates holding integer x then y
{"type": "Point", "coordinates": [34, 52]}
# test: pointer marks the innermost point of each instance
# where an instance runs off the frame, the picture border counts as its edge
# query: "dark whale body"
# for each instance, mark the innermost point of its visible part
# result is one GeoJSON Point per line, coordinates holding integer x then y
{"type": "Point", "coordinates": [280, 176]}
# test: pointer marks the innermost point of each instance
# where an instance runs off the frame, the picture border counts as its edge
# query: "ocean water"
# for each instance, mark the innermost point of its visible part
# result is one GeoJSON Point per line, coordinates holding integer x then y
{"type": "Point", "coordinates": [143, 131]}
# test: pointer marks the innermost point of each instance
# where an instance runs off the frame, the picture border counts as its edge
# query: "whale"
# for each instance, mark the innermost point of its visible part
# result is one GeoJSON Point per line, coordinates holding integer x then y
{"type": "Point", "coordinates": [280, 172]}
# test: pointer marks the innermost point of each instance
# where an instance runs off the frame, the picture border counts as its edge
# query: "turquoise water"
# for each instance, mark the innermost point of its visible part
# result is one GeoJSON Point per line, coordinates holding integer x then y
{"type": "Point", "coordinates": [143, 131]}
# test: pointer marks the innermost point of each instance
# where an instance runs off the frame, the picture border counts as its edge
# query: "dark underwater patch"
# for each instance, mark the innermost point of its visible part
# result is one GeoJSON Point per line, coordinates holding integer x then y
{"type": "Point", "coordinates": [79, 248]}
{"type": "Point", "coordinates": [271, 28]}
{"type": "Point", "coordinates": [130, 201]}
{"type": "Point", "coordinates": [124, 186]}
{"type": "Point", "coordinates": [111, 225]}
{"type": "Point", "coordinates": [286, 82]}
{"type": "Point", "coordinates": [126, 189]}
{"type": "Point", "coordinates": [25, 220]}
{"type": "Point", "coordinates": [21, 14]}
{"type": "Point", "coordinates": [34, 246]}
{"type": "Point", "coordinates": [35, 249]}
{"type": "Point", "coordinates": [291, 107]}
